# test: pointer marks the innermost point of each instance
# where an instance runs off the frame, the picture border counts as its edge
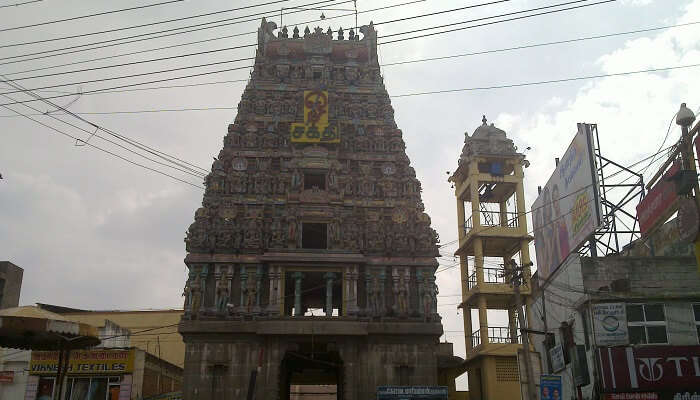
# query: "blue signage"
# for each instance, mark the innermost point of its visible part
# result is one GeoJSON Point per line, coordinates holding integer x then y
{"type": "Point", "coordinates": [550, 387]}
{"type": "Point", "coordinates": [412, 393]}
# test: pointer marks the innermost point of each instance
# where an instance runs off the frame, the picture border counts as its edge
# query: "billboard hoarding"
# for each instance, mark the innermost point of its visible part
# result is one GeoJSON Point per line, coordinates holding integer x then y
{"type": "Point", "coordinates": [568, 209]}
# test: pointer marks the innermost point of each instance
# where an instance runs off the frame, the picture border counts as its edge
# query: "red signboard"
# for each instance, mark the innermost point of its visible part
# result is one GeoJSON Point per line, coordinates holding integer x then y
{"type": "Point", "coordinates": [659, 203]}
{"type": "Point", "coordinates": [631, 396]}
{"type": "Point", "coordinates": [654, 368]}
{"type": "Point", "coordinates": [7, 376]}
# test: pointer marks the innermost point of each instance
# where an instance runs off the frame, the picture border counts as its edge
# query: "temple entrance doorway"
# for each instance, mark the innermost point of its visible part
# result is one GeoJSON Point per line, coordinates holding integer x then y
{"type": "Point", "coordinates": [310, 374]}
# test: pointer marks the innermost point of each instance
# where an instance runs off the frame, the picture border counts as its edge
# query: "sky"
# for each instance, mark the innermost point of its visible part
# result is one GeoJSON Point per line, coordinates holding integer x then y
{"type": "Point", "coordinates": [93, 231]}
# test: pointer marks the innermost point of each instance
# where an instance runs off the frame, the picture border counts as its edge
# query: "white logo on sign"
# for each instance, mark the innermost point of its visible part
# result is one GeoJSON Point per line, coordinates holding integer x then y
{"type": "Point", "coordinates": [649, 370]}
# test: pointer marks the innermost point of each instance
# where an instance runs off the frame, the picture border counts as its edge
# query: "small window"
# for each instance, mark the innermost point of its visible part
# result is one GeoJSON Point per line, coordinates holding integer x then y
{"type": "Point", "coordinates": [317, 75]}
{"type": "Point", "coordinates": [314, 180]}
{"type": "Point", "coordinates": [646, 323]}
{"type": "Point", "coordinates": [313, 235]}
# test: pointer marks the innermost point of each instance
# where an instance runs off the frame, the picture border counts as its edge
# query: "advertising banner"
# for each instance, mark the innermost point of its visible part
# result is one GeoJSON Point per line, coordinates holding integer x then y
{"type": "Point", "coordinates": [568, 209]}
{"type": "Point", "coordinates": [95, 362]}
{"type": "Point", "coordinates": [659, 203]}
{"type": "Point", "coordinates": [550, 387]}
{"type": "Point", "coordinates": [412, 393]}
{"type": "Point", "coordinates": [610, 324]}
{"type": "Point", "coordinates": [315, 128]}
{"type": "Point", "coordinates": [649, 368]}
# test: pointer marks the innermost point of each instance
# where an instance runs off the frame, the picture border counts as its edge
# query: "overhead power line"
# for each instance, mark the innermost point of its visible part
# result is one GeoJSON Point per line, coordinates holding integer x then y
{"type": "Point", "coordinates": [250, 45]}
{"type": "Point", "coordinates": [144, 74]}
{"type": "Point", "coordinates": [529, 46]}
{"type": "Point", "coordinates": [102, 149]}
{"type": "Point", "coordinates": [158, 23]}
{"type": "Point", "coordinates": [172, 161]}
{"type": "Point", "coordinates": [545, 82]}
{"type": "Point", "coordinates": [149, 34]}
{"type": "Point", "coordinates": [89, 15]}
{"type": "Point", "coordinates": [492, 22]}
{"type": "Point", "coordinates": [185, 44]}
{"type": "Point", "coordinates": [476, 88]}
{"type": "Point", "coordinates": [21, 4]}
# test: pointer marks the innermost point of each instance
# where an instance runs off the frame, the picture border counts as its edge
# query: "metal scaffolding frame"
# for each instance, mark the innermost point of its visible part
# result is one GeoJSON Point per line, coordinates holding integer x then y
{"type": "Point", "coordinates": [620, 225]}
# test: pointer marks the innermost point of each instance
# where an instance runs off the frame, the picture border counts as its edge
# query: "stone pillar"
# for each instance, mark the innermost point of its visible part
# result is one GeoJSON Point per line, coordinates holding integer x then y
{"type": "Point", "coordinates": [467, 327]}
{"type": "Point", "coordinates": [461, 218]}
{"type": "Point", "coordinates": [329, 276]}
{"type": "Point", "coordinates": [244, 288]}
{"type": "Point", "coordinates": [503, 213]}
{"type": "Point", "coordinates": [258, 284]}
{"type": "Point", "coordinates": [298, 276]}
{"type": "Point", "coordinates": [479, 261]}
{"type": "Point", "coordinates": [350, 294]}
{"type": "Point", "coordinates": [421, 290]}
{"type": "Point", "coordinates": [274, 274]}
{"type": "Point", "coordinates": [382, 296]}
{"type": "Point", "coordinates": [204, 274]}
{"type": "Point", "coordinates": [483, 320]}
{"type": "Point", "coordinates": [513, 325]}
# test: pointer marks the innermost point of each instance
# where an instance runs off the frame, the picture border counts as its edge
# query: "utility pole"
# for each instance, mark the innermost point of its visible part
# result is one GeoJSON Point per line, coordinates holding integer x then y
{"type": "Point", "coordinates": [685, 118]}
{"type": "Point", "coordinates": [514, 273]}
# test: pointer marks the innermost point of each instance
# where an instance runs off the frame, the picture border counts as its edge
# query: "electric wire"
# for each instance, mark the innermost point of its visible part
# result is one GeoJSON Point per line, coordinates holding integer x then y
{"type": "Point", "coordinates": [492, 22]}
{"type": "Point", "coordinates": [102, 149]}
{"type": "Point", "coordinates": [90, 15]}
{"type": "Point", "coordinates": [383, 65]}
{"type": "Point", "coordinates": [179, 164]}
{"type": "Point", "coordinates": [195, 42]}
{"type": "Point", "coordinates": [141, 36]}
{"type": "Point", "coordinates": [550, 81]}
{"type": "Point", "coordinates": [150, 24]}
{"type": "Point", "coordinates": [143, 74]}
{"type": "Point", "coordinates": [21, 4]}
{"type": "Point", "coordinates": [528, 46]}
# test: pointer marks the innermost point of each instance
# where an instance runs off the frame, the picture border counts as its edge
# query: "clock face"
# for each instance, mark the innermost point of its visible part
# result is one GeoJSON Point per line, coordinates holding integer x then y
{"type": "Point", "coordinates": [388, 169]}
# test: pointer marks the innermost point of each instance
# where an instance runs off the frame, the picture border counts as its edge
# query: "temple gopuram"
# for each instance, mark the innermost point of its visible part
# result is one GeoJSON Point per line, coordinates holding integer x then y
{"type": "Point", "coordinates": [311, 260]}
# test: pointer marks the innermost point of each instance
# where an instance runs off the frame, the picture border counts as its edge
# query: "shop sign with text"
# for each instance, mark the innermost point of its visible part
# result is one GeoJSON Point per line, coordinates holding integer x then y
{"type": "Point", "coordinates": [610, 324]}
{"type": "Point", "coordinates": [649, 368]}
{"type": "Point", "coordinates": [88, 362]}
{"type": "Point", "coordinates": [659, 203]}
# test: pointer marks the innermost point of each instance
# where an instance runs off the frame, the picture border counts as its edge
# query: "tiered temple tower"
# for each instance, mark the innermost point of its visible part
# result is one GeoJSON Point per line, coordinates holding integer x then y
{"type": "Point", "coordinates": [311, 260]}
{"type": "Point", "coordinates": [492, 230]}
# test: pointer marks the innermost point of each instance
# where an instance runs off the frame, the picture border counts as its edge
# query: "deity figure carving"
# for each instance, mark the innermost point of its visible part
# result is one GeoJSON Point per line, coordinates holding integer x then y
{"type": "Point", "coordinates": [252, 234]}
{"type": "Point", "coordinates": [292, 230]}
{"type": "Point", "coordinates": [296, 180]}
{"type": "Point", "coordinates": [222, 293]}
{"type": "Point", "coordinates": [332, 181]}
{"type": "Point", "coordinates": [251, 294]}
{"type": "Point", "coordinates": [401, 295]}
{"type": "Point", "coordinates": [196, 296]}
{"type": "Point", "coordinates": [277, 234]}
{"type": "Point", "coordinates": [374, 295]}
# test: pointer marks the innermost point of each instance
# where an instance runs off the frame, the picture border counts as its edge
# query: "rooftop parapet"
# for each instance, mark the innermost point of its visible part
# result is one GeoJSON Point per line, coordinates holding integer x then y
{"type": "Point", "coordinates": [318, 44]}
